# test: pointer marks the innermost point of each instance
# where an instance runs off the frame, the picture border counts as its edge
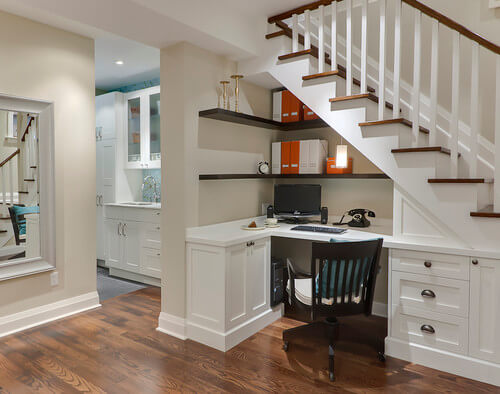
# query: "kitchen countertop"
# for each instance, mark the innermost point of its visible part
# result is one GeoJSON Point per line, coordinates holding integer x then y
{"type": "Point", "coordinates": [154, 205]}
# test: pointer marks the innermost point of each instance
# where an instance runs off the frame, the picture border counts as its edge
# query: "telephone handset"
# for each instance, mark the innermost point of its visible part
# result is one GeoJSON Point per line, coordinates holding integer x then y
{"type": "Point", "coordinates": [358, 218]}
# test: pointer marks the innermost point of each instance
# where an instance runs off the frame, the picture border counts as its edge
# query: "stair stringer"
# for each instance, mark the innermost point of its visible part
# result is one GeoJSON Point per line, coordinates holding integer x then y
{"type": "Point", "coordinates": [441, 204]}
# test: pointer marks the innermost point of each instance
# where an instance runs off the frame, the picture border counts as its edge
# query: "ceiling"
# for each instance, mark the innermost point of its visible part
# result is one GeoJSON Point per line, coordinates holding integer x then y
{"type": "Point", "coordinates": [140, 62]}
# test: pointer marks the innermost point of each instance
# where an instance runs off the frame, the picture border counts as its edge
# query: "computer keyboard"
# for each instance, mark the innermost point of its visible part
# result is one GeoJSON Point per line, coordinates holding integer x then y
{"type": "Point", "coordinates": [318, 229]}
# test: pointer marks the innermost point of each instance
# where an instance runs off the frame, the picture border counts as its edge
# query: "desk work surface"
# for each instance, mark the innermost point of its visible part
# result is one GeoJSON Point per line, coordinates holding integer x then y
{"type": "Point", "coordinates": [230, 233]}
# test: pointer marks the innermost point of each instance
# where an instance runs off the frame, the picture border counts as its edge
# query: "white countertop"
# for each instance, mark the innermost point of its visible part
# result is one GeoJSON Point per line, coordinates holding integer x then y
{"type": "Point", "coordinates": [230, 233]}
{"type": "Point", "coordinates": [154, 205]}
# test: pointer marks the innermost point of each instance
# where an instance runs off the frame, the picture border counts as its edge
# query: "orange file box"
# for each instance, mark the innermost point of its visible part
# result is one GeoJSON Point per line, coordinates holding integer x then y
{"type": "Point", "coordinates": [285, 157]}
{"type": "Point", "coordinates": [309, 114]}
{"type": "Point", "coordinates": [291, 107]}
{"type": "Point", "coordinates": [294, 157]}
{"type": "Point", "coordinates": [332, 169]}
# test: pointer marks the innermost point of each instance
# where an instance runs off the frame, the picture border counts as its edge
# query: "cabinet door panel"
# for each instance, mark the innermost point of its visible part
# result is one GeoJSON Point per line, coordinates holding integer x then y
{"type": "Point", "coordinates": [236, 285]}
{"type": "Point", "coordinates": [151, 236]}
{"type": "Point", "coordinates": [485, 310]}
{"type": "Point", "coordinates": [151, 263]}
{"type": "Point", "coordinates": [131, 250]}
{"type": "Point", "coordinates": [108, 171]}
{"type": "Point", "coordinates": [113, 241]}
{"type": "Point", "coordinates": [100, 234]}
{"type": "Point", "coordinates": [257, 277]}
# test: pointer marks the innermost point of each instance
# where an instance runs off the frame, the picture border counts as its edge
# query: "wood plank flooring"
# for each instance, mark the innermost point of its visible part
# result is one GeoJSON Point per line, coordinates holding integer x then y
{"type": "Point", "coordinates": [116, 349]}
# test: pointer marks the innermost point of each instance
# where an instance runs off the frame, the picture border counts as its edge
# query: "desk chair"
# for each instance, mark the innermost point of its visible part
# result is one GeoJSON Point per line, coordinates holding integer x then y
{"type": "Point", "coordinates": [341, 283]}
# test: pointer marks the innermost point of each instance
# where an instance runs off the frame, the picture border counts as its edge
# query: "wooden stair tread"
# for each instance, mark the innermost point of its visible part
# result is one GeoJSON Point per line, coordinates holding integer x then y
{"type": "Point", "coordinates": [353, 97]}
{"type": "Point", "coordinates": [403, 121]}
{"type": "Point", "coordinates": [23, 192]}
{"type": "Point", "coordinates": [3, 231]}
{"type": "Point", "coordinates": [320, 75]}
{"type": "Point", "coordinates": [29, 180]}
{"type": "Point", "coordinates": [295, 54]}
{"type": "Point", "coordinates": [486, 213]}
{"type": "Point", "coordinates": [439, 149]}
{"type": "Point", "coordinates": [459, 180]}
{"type": "Point", "coordinates": [275, 34]}
{"type": "Point", "coordinates": [33, 167]}
{"type": "Point", "coordinates": [4, 217]}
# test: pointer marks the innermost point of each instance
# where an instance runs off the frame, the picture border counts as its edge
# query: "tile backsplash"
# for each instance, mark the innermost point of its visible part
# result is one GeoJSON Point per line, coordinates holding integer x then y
{"type": "Point", "coordinates": [147, 194]}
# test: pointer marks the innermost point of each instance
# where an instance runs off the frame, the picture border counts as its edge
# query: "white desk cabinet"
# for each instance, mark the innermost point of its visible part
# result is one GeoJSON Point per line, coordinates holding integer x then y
{"type": "Point", "coordinates": [133, 243]}
{"type": "Point", "coordinates": [228, 292]}
{"type": "Point", "coordinates": [485, 309]}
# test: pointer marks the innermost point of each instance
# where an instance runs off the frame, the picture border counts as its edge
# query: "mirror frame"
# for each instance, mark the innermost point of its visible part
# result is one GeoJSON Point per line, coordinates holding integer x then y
{"type": "Point", "coordinates": [47, 260]}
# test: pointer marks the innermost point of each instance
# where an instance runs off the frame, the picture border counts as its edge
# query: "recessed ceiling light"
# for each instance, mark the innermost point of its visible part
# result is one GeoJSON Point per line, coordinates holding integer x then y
{"type": "Point", "coordinates": [119, 62]}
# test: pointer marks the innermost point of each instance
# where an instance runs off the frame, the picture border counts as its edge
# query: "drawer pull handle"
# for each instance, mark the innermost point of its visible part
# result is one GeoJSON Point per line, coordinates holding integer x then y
{"type": "Point", "coordinates": [428, 264]}
{"type": "Point", "coordinates": [428, 329]}
{"type": "Point", "coordinates": [475, 262]}
{"type": "Point", "coordinates": [428, 294]}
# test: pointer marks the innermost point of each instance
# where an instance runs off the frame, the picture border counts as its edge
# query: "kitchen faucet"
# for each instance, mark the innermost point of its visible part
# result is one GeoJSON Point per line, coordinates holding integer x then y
{"type": "Point", "coordinates": [151, 181]}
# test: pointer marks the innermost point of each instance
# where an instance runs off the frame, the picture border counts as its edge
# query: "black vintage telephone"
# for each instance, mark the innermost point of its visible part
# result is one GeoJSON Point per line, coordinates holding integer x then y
{"type": "Point", "coordinates": [358, 218]}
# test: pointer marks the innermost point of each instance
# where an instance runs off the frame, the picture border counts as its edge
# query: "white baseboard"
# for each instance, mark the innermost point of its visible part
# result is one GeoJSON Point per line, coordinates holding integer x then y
{"type": "Point", "coordinates": [379, 309]}
{"type": "Point", "coordinates": [468, 367]}
{"type": "Point", "coordinates": [47, 313]}
{"type": "Point", "coordinates": [224, 341]}
{"type": "Point", "coordinates": [172, 325]}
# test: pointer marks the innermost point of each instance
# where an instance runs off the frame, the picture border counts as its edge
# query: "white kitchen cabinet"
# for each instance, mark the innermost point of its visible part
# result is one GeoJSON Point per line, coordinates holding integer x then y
{"type": "Point", "coordinates": [228, 292]}
{"type": "Point", "coordinates": [142, 129]}
{"type": "Point", "coordinates": [109, 115]}
{"type": "Point", "coordinates": [484, 309]}
{"type": "Point", "coordinates": [133, 243]}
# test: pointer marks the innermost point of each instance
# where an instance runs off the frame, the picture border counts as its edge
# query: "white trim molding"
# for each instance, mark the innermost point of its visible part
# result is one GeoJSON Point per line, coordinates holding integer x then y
{"type": "Point", "coordinates": [172, 325]}
{"type": "Point", "coordinates": [379, 309]}
{"type": "Point", "coordinates": [468, 367]}
{"type": "Point", "coordinates": [47, 313]}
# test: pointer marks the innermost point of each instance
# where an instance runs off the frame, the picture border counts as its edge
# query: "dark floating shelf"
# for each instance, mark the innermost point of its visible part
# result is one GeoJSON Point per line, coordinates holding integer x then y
{"type": "Point", "coordinates": [250, 120]}
{"type": "Point", "coordinates": [291, 176]}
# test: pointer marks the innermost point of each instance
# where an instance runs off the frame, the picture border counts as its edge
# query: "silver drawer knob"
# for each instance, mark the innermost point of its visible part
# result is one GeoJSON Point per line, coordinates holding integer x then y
{"type": "Point", "coordinates": [428, 329]}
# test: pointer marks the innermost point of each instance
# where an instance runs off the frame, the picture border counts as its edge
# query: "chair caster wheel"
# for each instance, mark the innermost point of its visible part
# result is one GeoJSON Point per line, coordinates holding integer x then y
{"type": "Point", "coordinates": [381, 356]}
{"type": "Point", "coordinates": [285, 346]}
{"type": "Point", "coordinates": [332, 377]}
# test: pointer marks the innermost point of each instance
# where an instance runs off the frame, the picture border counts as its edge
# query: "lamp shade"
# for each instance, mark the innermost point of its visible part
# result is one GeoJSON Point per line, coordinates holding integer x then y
{"type": "Point", "coordinates": [341, 158]}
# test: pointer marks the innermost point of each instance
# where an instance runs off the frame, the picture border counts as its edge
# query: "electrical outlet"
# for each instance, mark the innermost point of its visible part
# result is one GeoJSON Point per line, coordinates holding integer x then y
{"type": "Point", "coordinates": [54, 278]}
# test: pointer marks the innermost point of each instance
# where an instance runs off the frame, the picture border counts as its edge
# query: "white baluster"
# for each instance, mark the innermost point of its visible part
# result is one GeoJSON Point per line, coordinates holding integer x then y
{"type": "Point", "coordinates": [496, 203]}
{"type": "Point", "coordinates": [333, 42]}
{"type": "Point", "coordinates": [11, 181]}
{"type": "Point", "coordinates": [416, 79]}
{"type": "Point", "coordinates": [307, 29]}
{"type": "Point", "coordinates": [381, 64]}
{"type": "Point", "coordinates": [455, 92]}
{"type": "Point", "coordinates": [295, 33]}
{"type": "Point", "coordinates": [397, 59]}
{"type": "Point", "coordinates": [348, 65]}
{"type": "Point", "coordinates": [474, 111]}
{"type": "Point", "coordinates": [434, 82]}
{"type": "Point", "coordinates": [4, 187]}
{"type": "Point", "coordinates": [321, 39]}
{"type": "Point", "coordinates": [364, 37]}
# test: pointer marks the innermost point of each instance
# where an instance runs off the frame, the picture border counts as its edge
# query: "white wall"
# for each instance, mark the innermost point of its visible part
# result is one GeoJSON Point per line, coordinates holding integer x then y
{"type": "Point", "coordinates": [45, 63]}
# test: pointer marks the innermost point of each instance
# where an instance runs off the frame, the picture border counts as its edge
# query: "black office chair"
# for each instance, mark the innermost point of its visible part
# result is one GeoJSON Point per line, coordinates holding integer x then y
{"type": "Point", "coordinates": [341, 283]}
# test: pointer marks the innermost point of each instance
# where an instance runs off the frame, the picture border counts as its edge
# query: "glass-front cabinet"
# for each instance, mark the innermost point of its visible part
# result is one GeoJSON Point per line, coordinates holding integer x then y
{"type": "Point", "coordinates": [142, 126]}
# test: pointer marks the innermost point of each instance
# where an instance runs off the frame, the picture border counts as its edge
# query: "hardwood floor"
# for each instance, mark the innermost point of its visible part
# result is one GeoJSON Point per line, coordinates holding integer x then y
{"type": "Point", "coordinates": [116, 349]}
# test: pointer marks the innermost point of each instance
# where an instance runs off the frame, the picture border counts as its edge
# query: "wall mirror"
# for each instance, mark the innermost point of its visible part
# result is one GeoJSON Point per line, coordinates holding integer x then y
{"type": "Point", "coordinates": [27, 217]}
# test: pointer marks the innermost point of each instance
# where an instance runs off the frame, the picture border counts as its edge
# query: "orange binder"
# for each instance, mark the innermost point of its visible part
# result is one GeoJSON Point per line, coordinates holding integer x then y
{"type": "Point", "coordinates": [294, 157]}
{"type": "Point", "coordinates": [309, 114]}
{"type": "Point", "coordinates": [291, 107]}
{"type": "Point", "coordinates": [285, 157]}
{"type": "Point", "coordinates": [285, 106]}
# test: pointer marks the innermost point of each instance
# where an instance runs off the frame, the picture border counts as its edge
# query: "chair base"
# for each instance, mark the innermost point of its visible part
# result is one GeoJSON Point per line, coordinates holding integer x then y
{"type": "Point", "coordinates": [320, 333]}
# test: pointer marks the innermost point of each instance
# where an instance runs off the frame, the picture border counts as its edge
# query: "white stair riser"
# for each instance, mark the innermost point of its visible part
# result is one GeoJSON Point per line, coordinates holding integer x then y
{"type": "Point", "coordinates": [402, 133]}
{"type": "Point", "coordinates": [371, 108]}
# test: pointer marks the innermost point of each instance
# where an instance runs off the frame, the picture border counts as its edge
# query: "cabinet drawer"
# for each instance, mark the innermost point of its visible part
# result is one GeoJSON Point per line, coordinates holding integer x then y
{"type": "Point", "coordinates": [147, 215]}
{"type": "Point", "coordinates": [435, 264]}
{"type": "Point", "coordinates": [150, 263]}
{"type": "Point", "coordinates": [151, 236]}
{"type": "Point", "coordinates": [446, 332]}
{"type": "Point", "coordinates": [431, 293]}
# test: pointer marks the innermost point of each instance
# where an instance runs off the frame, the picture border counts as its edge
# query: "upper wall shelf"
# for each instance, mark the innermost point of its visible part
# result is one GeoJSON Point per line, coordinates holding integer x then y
{"type": "Point", "coordinates": [250, 120]}
{"type": "Point", "coordinates": [291, 176]}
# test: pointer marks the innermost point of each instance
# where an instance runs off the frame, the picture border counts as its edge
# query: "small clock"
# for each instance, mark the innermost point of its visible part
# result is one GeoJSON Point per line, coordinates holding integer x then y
{"type": "Point", "coordinates": [263, 167]}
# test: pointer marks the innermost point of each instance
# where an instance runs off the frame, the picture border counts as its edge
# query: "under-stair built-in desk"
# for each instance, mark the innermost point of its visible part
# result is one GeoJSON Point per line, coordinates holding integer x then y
{"type": "Point", "coordinates": [228, 294]}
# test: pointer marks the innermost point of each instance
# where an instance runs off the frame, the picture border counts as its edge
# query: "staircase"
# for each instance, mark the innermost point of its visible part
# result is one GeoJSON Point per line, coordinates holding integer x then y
{"type": "Point", "coordinates": [19, 178]}
{"type": "Point", "coordinates": [446, 174]}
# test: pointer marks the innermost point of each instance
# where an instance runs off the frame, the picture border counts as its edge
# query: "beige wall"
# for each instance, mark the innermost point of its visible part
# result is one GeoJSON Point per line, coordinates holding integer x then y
{"type": "Point", "coordinates": [41, 62]}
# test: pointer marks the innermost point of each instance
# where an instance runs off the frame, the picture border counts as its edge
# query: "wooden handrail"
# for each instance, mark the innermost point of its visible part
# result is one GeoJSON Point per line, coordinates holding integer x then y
{"type": "Point", "coordinates": [413, 3]}
{"type": "Point", "coordinates": [10, 158]}
{"type": "Point", "coordinates": [27, 129]}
